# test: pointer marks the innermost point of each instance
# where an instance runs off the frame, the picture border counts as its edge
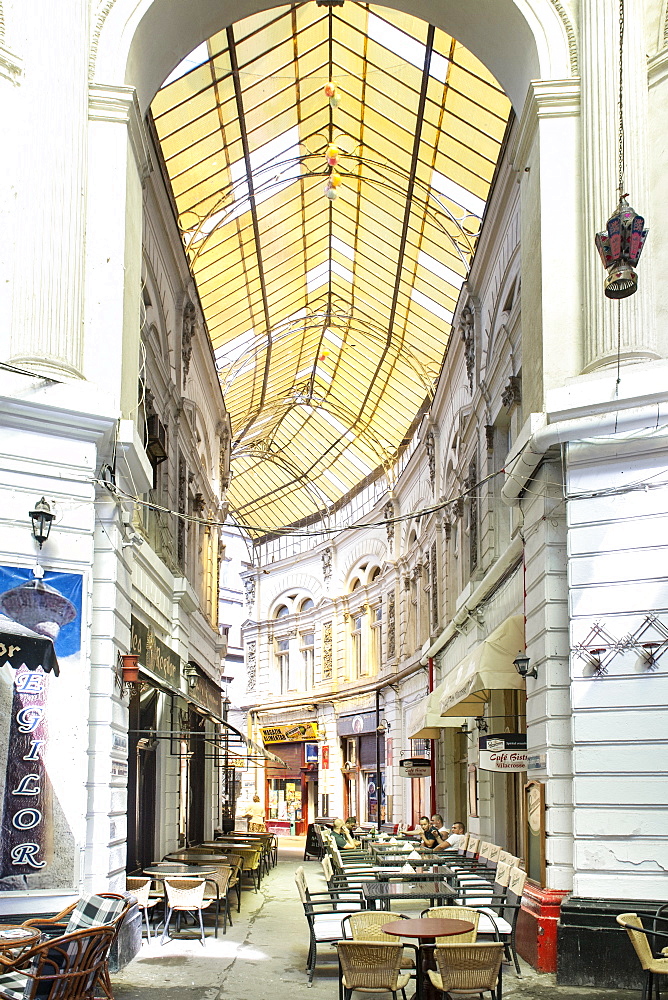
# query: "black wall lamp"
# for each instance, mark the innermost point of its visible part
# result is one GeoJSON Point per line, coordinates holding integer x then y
{"type": "Point", "coordinates": [41, 518]}
{"type": "Point", "coordinates": [191, 673]}
{"type": "Point", "coordinates": [521, 663]}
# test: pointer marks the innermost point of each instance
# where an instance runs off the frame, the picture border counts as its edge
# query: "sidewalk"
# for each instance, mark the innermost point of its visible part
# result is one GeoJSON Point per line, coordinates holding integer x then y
{"type": "Point", "coordinates": [263, 956]}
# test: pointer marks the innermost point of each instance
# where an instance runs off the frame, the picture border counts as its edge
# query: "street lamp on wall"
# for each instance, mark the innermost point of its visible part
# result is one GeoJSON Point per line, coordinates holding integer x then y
{"type": "Point", "coordinates": [191, 673]}
{"type": "Point", "coordinates": [521, 663]}
{"type": "Point", "coordinates": [41, 518]}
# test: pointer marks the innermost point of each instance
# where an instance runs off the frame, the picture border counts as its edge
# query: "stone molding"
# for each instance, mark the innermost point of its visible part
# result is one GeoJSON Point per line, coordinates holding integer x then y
{"type": "Point", "coordinates": [107, 103]}
{"type": "Point", "coordinates": [657, 68]}
{"type": "Point", "coordinates": [545, 99]}
{"type": "Point", "coordinates": [11, 67]}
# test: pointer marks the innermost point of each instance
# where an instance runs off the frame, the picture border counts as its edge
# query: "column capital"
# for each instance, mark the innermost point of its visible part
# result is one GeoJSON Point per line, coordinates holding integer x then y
{"type": "Point", "coordinates": [545, 99]}
{"type": "Point", "coordinates": [117, 104]}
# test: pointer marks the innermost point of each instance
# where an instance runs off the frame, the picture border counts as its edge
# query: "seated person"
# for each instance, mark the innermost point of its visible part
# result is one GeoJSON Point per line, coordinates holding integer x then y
{"type": "Point", "coordinates": [341, 835]}
{"type": "Point", "coordinates": [437, 822]}
{"type": "Point", "coordinates": [428, 833]}
{"type": "Point", "coordinates": [351, 824]}
{"type": "Point", "coordinates": [454, 839]}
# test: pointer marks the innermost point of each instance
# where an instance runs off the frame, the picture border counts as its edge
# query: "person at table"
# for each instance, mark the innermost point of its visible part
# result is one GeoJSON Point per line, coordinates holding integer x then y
{"type": "Point", "coordinates": [351, 825]}
{"type": "Point", "coordinates": [429, 835]}
{"type": "Point", "coordinates": [341, 835]}
{"type": "Point", "coordinates": [454, 839]}
{"type": "Point", "coordinates": [438, 824]}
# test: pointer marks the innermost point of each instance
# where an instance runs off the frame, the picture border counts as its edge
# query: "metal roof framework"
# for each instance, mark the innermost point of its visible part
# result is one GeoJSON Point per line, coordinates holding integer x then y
{"type": "Point", "coordinates": [329, 319]}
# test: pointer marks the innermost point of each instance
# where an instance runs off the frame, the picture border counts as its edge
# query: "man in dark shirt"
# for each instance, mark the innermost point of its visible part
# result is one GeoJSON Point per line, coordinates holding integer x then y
{"type": "Point", "coordinates": [428, 833]}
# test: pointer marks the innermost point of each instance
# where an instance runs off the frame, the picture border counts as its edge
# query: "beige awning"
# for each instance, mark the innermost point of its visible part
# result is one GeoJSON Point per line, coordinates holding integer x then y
{"type": "Point", "coordinates": [488, 668]}
{"type": "Point", "coordinates": [424, 720]}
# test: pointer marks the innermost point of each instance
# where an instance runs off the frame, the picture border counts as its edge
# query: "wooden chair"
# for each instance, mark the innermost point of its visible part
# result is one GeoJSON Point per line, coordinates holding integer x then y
{"type": "Point", "coordinates": [185, 895]}
{"type": "Point", "coordinates": [652, 965]}
{"type": "Point", "coordinates": [372, 967]}
{"type": "Point", "coordinates": [69, 967]}
{"type": "Point", "coordinates": [465, 969]}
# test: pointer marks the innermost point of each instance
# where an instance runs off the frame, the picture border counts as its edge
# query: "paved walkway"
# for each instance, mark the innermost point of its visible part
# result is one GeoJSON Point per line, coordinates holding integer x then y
{"type": "Point", "coordinates": [263, 956]}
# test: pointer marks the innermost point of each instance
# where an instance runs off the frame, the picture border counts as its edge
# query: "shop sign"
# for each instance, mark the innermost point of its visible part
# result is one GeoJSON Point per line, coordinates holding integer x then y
{"type": "Point", "coordinates": [503, 752]}
{"type": "Point", "coordinates": [311, 753]}
{"type": "Point", "coordinates": [536, 761]}
{"type": "Point", "coordinates": [355, 725]}
{"type": "Point", "coordinates": [293, 732]}
{"type": "Point", "coordinates": [325, 759]}
{"type": "Point", "coordinates": [415, 767]}
{"type": "Point", "coordinates": [154, 654]}
{"type": "Point", "coordinates": [207, 695]}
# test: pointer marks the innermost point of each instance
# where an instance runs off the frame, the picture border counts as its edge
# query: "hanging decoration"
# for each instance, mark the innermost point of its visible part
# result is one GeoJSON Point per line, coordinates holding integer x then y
{"type": "Point", "coordinates": [332, 92]}
{"type": "Point", "coordinates": [621, 244]}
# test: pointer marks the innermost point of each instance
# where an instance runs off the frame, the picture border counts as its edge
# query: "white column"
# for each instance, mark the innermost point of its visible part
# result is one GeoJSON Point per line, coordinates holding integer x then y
{"type": "Point", "coordinates": [47, 323]}
{"type": "Point", "coordinates": [599, 41]}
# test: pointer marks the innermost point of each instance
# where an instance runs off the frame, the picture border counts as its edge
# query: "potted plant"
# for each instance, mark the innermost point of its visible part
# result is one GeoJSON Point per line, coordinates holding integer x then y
{"type": "Point", "coordinates": [130, 668]}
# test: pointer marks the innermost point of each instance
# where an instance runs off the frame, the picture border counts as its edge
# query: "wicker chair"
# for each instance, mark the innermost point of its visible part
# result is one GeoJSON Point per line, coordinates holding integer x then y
{"type": "Point", "coordinates": [251, 857]}
{"type": "Point", "coordinates": [455, 913]}
{"type": "Point", "coordinates": [465, 969]}
{"type": "Point", "coordinates": [372, 967]}
{"type": "Point", "coordinates": [185, 895]}
{"type": "Point", "coordinates": [367, 925]}
{"type": "Point", "coordinates": [69, 967]}
{"type": "Point", "coordinates": [141, 890]}
{"type": "Point", "coordinates": [652, 965]}
{"type": "Point", "coordinates": [217, 888]}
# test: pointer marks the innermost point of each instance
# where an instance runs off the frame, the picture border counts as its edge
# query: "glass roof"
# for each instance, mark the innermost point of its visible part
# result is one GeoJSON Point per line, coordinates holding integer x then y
{"type": "Point", "coordinates": [330, 166]}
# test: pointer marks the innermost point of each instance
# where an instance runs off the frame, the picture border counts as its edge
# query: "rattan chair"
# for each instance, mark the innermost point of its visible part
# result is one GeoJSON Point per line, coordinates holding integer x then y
{"type": "Point", "coordinates": [468, 969]}
{"type": "Point", "coordinates": [455, 913]}
{"type": "Point", "coordinates": [372, 967]}
{"type": "Point", "coordinates": [141, 890]}
{"type": "Point", "coordinates": [69, 967]}
{"type": "Point", "coordinates": [652, 964]}
{"type": "Point", "coordinates": [217, 888]}
{"type": "Point", "coordinates": [185, 895]}
{"type": "Point", "coordinates": [367, 925]}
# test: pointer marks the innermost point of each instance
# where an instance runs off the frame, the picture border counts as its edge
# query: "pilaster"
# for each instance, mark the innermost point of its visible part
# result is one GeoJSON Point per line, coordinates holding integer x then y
{"type": "Point", "coordinates": [600, 111]}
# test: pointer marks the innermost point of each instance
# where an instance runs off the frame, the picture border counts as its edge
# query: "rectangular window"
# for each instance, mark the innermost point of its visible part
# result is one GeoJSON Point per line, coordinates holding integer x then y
{"type": "Point", "coordinates": [283, 663]}
{"type": "Point", "coordinates": [377, 631]}
{"type": "Point", "coordinates": [308, 656]}
{"type": "Point", "coordinates": [356, 636]}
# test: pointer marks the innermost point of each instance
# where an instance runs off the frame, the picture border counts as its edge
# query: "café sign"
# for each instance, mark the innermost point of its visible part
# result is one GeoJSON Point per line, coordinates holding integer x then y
{"type": "Point", "coordinates": [293, 732]}
{"type": "Point", "coordinates": [503, 752]}
{"type": "Point", "coordinates": [154, 654]}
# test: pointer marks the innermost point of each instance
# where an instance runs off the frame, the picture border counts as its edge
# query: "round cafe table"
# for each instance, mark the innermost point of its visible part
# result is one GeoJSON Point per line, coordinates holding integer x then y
{"type": "Point", "coordinates": [426, 930]}
{"type": "Point", "coordinates": [14, 941]}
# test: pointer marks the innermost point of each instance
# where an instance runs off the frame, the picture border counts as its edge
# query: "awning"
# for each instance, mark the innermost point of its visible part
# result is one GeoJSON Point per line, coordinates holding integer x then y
{"type": "Point", "coordinates": [488, 668]}
{"type": "Point", "coordinates": [424, 720]}
{"type": "Point", "coordinates": [20, 646]}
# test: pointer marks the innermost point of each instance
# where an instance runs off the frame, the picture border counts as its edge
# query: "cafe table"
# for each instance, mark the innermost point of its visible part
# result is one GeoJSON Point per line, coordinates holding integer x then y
{"type": "Point", "coordinates": [198, 859]}
{"type": "Point", "coordinates": [426, 930]}
{"type": "Point", "coordinates": [14, 941]}
{"type": "Point", "coordinates": [430, 874]}
{"type": "Point", "coordinates": [176, 869]}
{"type": "Point", "coordinates": [382, 893]}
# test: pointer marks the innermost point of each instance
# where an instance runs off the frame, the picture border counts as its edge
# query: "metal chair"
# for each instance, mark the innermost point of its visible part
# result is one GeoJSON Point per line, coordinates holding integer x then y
{"type": "Point", "coordinates": [324, 921]}
{"type": "Point", "coordinates": [465, 969]}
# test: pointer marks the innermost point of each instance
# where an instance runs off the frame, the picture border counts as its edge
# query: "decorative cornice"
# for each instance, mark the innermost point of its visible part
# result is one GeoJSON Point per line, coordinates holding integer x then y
{"type": "Point", "coordinates": [657, 68]}
{"type": "Point", "coordinates": [11, 67]}
{"type": "Point", "coordinates": [570, 35]}
{"type": "Point", "coordinates": [108, 103]}
{"type": "Point", "coordinates": [545, 99]}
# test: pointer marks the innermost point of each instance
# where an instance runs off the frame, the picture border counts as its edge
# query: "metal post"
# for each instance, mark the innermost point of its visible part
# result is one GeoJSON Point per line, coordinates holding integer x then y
{"type": "Point", "coordinates": [432, 796]}
{"type": "Point", "coordinates": [378, 735]}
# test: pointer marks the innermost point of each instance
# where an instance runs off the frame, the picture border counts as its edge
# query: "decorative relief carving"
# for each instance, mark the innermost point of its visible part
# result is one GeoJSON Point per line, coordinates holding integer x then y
{"type": "Point", "coordinates": [391, 646]}
{"type": "Point", "coordinates": [327, 564]}
{"type": "Point", "coordinates": [457, 507]}
{"type": "Point", "coordinates": [327, 651]}
{"type": "Point", "coordinates": [249, 588]}
{"type": "Point", "coordinates": [434, 586]}
{"type": "Point", "coordinates": [570, 35]}
{"type": "Point", "coordinates": [251, 666]}
{"type": "Point", "coordinates": [388, 514]}
{"type": "Point", "coordinates": [512, 394]}
{"type": "Point", "coordinates": [430, 445]}
{"type": "Point", "coordinates": [471, 484]}
{"type": "Point", "coordinates": [489, 437]}
{"type": "Point", "coordinates": [187, 334]}
{"type": "Point", "coordinates": [98, 23]}
{"type": "Point", "coordinates": [467, 334]}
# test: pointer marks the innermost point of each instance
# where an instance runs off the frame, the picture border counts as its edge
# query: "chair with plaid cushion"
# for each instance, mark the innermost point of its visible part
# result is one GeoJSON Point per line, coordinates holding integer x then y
{"type": "Point", "coordinates": [92, 910]}
{"type": "Point", "coordinates": [70, 967]}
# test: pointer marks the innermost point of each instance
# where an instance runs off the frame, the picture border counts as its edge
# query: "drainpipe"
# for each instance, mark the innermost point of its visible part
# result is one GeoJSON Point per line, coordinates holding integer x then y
{"type": "Point", "coordinates": [616, 420]}
{"type": "Point", "coordinates": [432, 803]}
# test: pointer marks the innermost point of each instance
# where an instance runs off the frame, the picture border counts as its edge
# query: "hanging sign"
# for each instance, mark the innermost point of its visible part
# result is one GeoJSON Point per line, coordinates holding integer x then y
{"type": "Point", "coordinates": [503, 752]}
{"type": "Point", "coordinates": [294, 732]}
{"type": "Point", "coordinates": [415, 767]}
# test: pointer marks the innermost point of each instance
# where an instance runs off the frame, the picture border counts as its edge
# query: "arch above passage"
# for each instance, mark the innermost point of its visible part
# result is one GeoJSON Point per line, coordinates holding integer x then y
{"type": "Point", "coordinates": [139, 42]}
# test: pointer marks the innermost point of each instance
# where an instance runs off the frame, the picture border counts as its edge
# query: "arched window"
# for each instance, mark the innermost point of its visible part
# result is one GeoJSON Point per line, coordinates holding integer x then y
{"type": "Point", "coordinates": [355, 585]}
{"type": "Point", "coordinates": [282, 611]}
{"type": "Point", "coordinates": [307, 604]}
{"type": "Point", "coordinates": [375, 573]}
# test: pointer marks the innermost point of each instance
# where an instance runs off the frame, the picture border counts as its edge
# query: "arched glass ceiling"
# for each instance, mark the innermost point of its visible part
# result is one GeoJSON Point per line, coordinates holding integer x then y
{"type": "Point", "coordinates": [329, 318]}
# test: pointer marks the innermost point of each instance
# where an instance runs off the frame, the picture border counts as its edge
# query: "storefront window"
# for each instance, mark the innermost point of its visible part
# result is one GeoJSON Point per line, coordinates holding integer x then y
{"type": "Point", "coordinates": [372, 798]}
{"type": "Point", "coordinates": [285, 799]}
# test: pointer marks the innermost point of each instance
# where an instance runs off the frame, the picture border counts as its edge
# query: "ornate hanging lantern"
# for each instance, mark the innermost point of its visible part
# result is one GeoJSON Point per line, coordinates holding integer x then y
{"type": "Point", "coordinates": [620, 247]}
